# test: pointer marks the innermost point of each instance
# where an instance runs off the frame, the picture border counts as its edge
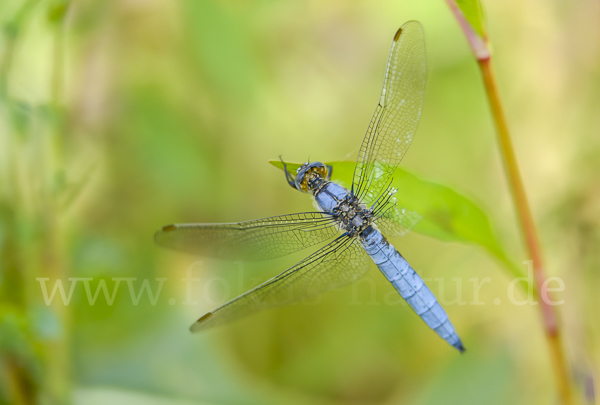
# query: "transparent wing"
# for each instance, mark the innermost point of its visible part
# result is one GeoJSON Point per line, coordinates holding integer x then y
{"type": "Point", "coordinates": [251, 240]}
{"type": "Point", "coordinates": [395, 120]}
{"type": "Point", "coordinates": [397, 222]}
{"type": "Point", "coordinates": [338, 263]}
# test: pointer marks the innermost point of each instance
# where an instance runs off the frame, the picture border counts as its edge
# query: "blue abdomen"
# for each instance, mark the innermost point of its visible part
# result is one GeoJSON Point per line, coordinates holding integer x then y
{"type": "Point", "coordinates": [410, 286]}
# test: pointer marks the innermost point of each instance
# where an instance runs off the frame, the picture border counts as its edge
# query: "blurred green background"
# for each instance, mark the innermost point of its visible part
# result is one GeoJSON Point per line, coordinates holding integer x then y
{"type": "Point", "coordinates": [120, 116]}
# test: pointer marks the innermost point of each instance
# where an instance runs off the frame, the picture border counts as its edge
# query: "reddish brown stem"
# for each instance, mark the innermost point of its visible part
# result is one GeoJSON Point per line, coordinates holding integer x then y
{"type": "Point", "coordinates": [529, 233]}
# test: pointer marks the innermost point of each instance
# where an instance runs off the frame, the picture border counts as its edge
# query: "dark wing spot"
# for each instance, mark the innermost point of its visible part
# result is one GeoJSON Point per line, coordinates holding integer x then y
{"type": "Point", "coordinates": [169, 228]}
{"type": "Point", "coordinates": [205, 317]}
{"type": "Point", "coordinates": [397, 34]}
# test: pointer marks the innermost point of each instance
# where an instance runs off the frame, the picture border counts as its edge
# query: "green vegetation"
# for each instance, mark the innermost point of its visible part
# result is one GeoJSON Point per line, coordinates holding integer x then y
{"type": "Point", "coordinates": [118, 117]}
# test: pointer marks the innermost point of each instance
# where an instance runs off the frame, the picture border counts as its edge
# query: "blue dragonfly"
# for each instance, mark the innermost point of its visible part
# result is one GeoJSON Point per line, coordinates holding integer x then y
{"type": "Point", "coordinates": [352, 221]}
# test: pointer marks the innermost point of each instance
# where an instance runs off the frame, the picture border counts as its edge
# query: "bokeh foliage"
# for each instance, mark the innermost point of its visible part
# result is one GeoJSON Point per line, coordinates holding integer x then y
{"type": "Point", "coordinates": [118, 117]}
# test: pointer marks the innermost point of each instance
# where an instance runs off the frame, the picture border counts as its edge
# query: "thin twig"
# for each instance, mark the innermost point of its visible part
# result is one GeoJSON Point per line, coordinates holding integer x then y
{"type": "Point", "coordinates": [478, 42]}
{"type": "Point", "coordinates": [529, 232]}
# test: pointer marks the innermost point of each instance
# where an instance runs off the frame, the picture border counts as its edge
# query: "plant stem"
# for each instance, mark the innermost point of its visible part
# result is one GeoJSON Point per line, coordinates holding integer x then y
{"type": "Point", "coordinates": [53, 254]}
{"type": "Point", "coordinates": [529, 232]}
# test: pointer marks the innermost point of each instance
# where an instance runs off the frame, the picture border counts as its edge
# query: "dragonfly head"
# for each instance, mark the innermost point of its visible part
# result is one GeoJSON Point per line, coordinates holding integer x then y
{"type": "Point", "coordinates": [310, 175]}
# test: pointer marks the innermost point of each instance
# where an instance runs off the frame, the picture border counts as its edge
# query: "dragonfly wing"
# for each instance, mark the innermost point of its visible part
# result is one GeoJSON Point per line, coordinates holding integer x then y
{"type": "Point", "coordinates": [251, 240]}
{"type": "Point", "coordinates": [397, 115]}
{"type": "Point", "coordinates": [397, 222]}
{"type": "Point", "coordinates": [338, 263]}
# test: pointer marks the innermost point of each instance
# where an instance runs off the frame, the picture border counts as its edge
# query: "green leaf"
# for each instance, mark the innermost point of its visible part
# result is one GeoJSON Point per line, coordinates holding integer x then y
{"type": "Point", "coordinates": [469, 15]}
{"type": "Point", "coordinates": [473, 12]}
{"type": "Point", "coordinates": [447, 214]}
{"type": "Point", "coordinates": [291, 167]}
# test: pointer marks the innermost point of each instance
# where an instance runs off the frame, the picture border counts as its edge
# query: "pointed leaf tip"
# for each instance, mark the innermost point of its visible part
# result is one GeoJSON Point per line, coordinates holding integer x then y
{"type": "Point", "coordinates": [469, 14]}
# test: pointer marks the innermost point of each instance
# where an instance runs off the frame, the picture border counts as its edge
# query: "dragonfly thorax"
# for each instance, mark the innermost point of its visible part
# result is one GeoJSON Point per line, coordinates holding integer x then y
{"type": "Point", "coordinates": [353, 216]}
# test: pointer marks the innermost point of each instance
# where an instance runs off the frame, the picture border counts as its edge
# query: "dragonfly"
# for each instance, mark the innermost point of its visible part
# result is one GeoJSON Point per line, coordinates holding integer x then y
{"type": "Point", "coordinates": [352, 222]}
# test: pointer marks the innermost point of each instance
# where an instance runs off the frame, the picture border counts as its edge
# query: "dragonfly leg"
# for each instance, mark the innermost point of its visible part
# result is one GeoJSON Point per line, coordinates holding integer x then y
{"type": "Point", "coordinates": [329, 171]}
{"type": "Point", "coordinates": [288, 176]}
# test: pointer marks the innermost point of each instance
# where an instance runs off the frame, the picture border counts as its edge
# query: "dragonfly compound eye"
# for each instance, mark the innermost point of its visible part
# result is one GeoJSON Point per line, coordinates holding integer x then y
{"type": "Point", "coordinates": [309, 175]}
